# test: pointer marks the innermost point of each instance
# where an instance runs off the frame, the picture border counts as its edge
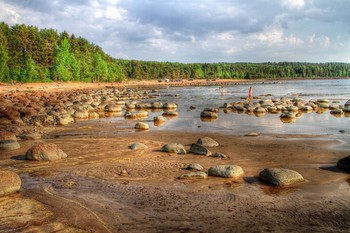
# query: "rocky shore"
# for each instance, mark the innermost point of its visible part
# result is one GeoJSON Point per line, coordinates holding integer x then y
{"type": "Point", "coordinates": [61, 174]}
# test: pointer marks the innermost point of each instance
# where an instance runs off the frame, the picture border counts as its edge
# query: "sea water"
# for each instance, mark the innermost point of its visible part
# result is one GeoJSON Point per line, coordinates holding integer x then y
{"type": "Point", "coordinates": [335, 90]}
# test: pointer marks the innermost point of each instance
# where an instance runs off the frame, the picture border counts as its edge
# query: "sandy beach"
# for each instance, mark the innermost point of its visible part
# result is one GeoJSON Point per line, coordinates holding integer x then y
{"type": "Point", "coordinates": [103, 186]}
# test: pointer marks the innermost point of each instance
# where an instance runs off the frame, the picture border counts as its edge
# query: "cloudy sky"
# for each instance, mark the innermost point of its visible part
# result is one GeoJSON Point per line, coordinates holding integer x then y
{"type": "Point", "coordinates": [198, 30]}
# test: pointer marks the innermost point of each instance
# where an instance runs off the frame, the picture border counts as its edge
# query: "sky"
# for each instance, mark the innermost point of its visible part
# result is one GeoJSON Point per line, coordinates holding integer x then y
{"type": "Point", "coordinates": [204, 31]}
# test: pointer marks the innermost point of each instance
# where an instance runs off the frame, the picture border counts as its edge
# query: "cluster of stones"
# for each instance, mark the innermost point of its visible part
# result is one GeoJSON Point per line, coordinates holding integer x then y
{"type": "Point", "coordinates": [288, 108]}
{"type": "Point", "coordinates": [273, 176]}
{"type": "Point", "coordinates": [40, 108]}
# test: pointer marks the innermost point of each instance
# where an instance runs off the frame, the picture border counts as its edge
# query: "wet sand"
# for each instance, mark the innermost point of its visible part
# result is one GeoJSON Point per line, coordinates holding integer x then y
{"type": "Point", "coordinates": [89, 192]}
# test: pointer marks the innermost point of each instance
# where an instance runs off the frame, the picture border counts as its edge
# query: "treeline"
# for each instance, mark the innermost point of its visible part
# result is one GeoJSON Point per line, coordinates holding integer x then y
{"type": "Point", "coordinates": [28, 54]}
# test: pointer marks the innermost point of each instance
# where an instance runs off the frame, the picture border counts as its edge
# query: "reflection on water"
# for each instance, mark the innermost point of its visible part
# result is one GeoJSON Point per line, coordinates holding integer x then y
{"type": "Point", "coordinates": [233, 122]}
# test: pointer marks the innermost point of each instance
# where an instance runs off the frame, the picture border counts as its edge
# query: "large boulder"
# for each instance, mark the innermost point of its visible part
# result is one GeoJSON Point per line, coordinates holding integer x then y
{"type": "Point", "coordinates": [199, 150]}
{"type": "Point", "coordinates": [45, 152]}
{"type": "Point", "coordinates": [226, 171]}
{"type": "Point", "coordinates": [10, 183]}
{"type": "Point", "coordinates": [207, 142]}
{"type": "Point", "coordinates": [173, 148]}
{"type": "Point", "coordinates": [280, 176]}
{"type": "Point", "coordinates": [8, 141]}
{"type": "Point", "coordinates": [344, 163]}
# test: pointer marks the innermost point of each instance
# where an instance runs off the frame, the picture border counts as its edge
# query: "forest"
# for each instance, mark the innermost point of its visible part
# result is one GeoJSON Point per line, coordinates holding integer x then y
{"type": "Point", "coordinates": [29, 54]}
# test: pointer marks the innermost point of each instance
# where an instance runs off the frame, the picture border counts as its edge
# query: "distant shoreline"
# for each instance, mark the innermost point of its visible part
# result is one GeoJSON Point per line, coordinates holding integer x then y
{"type": "Point", "coordinates": [65, 86]}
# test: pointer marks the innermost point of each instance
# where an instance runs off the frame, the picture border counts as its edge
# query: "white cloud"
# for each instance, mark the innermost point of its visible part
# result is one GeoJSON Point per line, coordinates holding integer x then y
{"type": "Point", "coordinates": [323, 40]}
{"type": "Point", "coordinates": [293, 3]}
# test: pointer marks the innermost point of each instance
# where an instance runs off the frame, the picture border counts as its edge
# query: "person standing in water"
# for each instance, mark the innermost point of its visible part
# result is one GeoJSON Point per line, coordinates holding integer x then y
{"type": "Point", "coordinates": [250, 94]}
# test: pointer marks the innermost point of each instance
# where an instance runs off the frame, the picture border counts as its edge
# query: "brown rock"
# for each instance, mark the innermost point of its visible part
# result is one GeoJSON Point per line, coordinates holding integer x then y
{"type": "Point", "coordinates": [10, 183]}
{"type": "Point", "coordinates": [45, 152]}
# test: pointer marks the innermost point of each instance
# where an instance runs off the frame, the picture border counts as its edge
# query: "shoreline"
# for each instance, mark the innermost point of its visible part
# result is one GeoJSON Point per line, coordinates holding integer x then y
{"type": "Point", "coordinates": [63, 86]}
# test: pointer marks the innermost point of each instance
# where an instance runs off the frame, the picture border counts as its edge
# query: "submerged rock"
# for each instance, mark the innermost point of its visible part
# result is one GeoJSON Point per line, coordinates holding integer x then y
{"type": "Point", "coordinates": [226, 171]}
{"type": "Point", "coordinates": [10, 183]}
{"type": "Point", "coordinates": [280, 176]}
{"type": "Point", "coordinates": [45, 152]}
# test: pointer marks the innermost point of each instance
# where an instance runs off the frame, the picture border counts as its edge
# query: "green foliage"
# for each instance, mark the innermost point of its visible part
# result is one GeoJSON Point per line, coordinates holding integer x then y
{"type": "Point", "coordinates": [4, 57]}
{"type": "Point", "coordinates": [28, 54]}
{"type": "Point", "coordinates": [101, 69]}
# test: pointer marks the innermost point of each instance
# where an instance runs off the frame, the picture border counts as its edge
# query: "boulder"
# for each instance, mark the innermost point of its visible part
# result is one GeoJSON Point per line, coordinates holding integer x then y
{"type": "Point", "coordinates": [194, 175]}
{"type": "Point", "coordinates": [112, 108]}
{"type": "Point", "coordinates": [170, 113]}
{"type": "Point", "coordinates": [169, 105]}
{"type": "Point", "coordinates": [207, 114]}
{"type": "Point", "coordinates": [45, 152]}
{"type": "Point", "coordinates": [199, 150]}
{"type": "Point", "coordinates": [138, 146]}
{"type": "Point", "coordinates": [8, 141]}
{"type": "Point", "coordinates": [260, 110]}
{"type": "Point", "coordinates": [287, 114]}
{"type": "Point", "coordinates": [10, 183]}
{"type": "Point", "coordinates": [344, 163]}
{"type": "Point", "coordinates": [280, 176]}
{"type": "Point", "coordinates": [226, 171]}
{"type": "Point", "coordinates": [158, 119]}
{"type": "Point", "coordinates": [141, 126]}
{"type": "Point", "coordinates": [207, 142]}
{"type": "Point", "coordinates": [81, 114]}
{"type": "Point", "coordinates": [174, 148]}
{"type": "Point", "coordinates": [65, 119]}
{"type": "Point", "coordinates": [194, 167]}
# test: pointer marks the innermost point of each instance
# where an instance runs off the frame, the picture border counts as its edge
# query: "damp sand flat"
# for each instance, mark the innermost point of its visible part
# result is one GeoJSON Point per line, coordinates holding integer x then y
{"type": "Point", "coordinates": [87, 191]}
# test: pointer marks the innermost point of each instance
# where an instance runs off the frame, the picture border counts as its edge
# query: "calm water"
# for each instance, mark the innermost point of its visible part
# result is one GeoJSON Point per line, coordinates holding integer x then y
{"type": "Point", "coordinates": [234, 123]}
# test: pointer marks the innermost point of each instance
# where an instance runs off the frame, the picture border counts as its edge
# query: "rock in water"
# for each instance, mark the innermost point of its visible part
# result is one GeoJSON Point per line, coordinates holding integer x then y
{"type": "Point", "coordinates": [45, 152]}
{"type": "Point", "coordinates": [174, 148]}
{"type": "Point", "coordinates": [207, 142]}
{"type": "Point", "coordinates": [280, 176]}
{"type": "Point", "coordinates": [138, 146]}
{"type": "Point", "coordinates": [226, 171]}
{"type": "Point", "coordinates": [344, 163]}
{"type": "Point", "coordinates": [8, 141]}
{"type": "Point", "coordinates": [10, 183]}
{"type": "Point", "coordinates": [142, 126]}
{"type": "Point", "coordinates": [199, 150]}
